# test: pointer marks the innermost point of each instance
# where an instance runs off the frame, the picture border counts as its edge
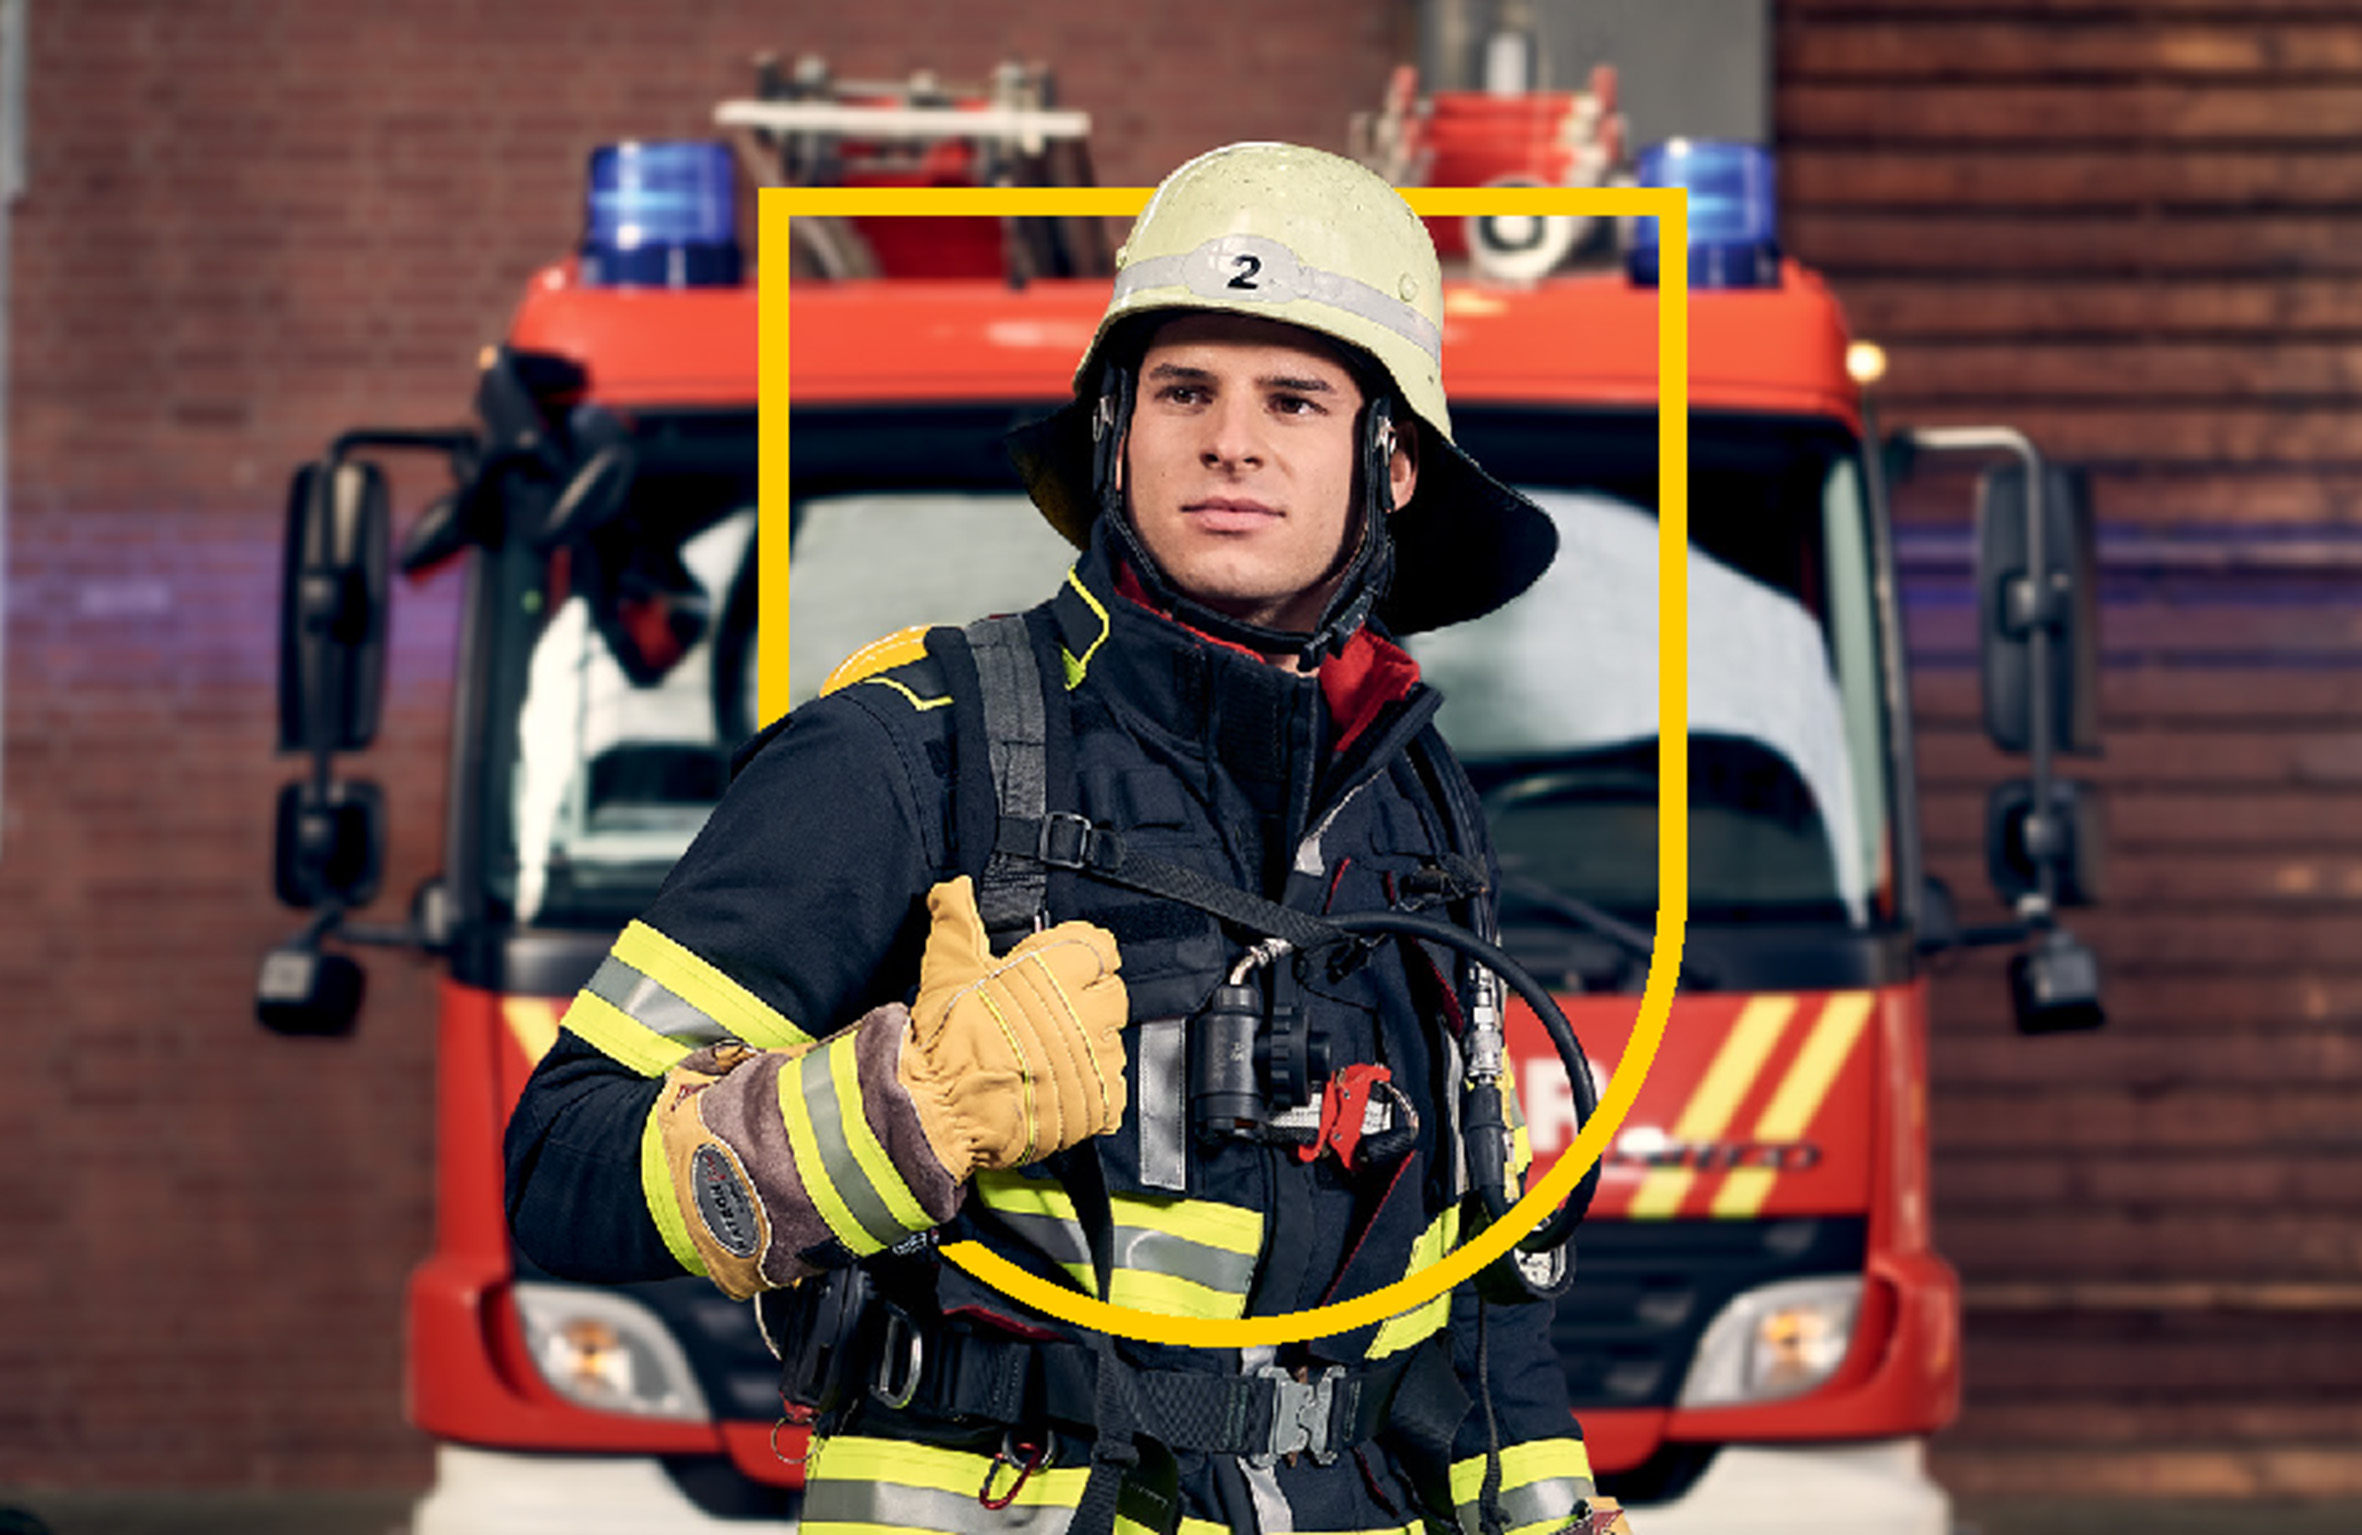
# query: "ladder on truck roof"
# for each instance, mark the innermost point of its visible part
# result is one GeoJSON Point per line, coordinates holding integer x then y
{"type": "Point", "coordinates": [805, 128]}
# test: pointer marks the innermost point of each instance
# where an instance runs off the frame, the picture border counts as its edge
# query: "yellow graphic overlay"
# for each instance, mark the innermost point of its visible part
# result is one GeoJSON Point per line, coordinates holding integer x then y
{"type": "Point", "coordinates": [1670, 207]}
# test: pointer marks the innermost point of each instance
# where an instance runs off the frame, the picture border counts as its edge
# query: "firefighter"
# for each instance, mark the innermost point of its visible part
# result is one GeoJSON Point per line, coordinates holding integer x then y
{"type": "Point", "coordinates": [816, 1055]}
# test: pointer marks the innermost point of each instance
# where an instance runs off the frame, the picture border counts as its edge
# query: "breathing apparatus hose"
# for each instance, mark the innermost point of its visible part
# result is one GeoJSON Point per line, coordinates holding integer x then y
{"type": "Point", "coordinates": [1488, 1138]}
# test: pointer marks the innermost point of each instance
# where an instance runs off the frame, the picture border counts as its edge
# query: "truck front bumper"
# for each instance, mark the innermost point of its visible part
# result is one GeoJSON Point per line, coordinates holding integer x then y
{"type": "Point", "coordinates": [1879, 1487]}
{"type": "Point", "coordinates": [1875, 1488]}
{"type": "Point", "coordinates": [523, 1492]}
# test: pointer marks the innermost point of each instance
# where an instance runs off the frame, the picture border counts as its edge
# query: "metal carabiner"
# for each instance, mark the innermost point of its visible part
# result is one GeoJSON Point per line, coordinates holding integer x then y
{"type": "Point", "coordinates": [792, 1417]}
{"type": "Point", "coordinates": [1033, 1458]}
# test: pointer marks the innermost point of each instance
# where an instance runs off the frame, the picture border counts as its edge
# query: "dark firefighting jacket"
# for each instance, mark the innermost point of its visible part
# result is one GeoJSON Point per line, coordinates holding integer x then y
{"type": "Point", "coordinates": [801, 906]}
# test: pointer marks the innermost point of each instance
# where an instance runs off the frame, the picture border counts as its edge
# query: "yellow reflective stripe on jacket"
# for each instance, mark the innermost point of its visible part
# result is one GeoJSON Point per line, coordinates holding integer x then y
{"type": "Point", "coordinates": [1168, 1295]}
{"type": "Point", "coordinates": [1205, 1222]}
{"type": "Point", "coordinates": [620, 1037]}
{"type": "Point", "coordinates": [851, 1180]}
{"type": "Point", "coordinates": [1076, 666]}
{"type": "Point", "coordinates": [651, 1002]}
{"type": "Point", "coordinates": [900, 648]}
{"type": "Point", "coordinates": [1399, 1333]}
{"type": "Point", "coordinates": [728, 1008]}
{"type": "Point", "coordinates": [1183, 1257]}
{"type": "Point", "coordinates": [862, 1486]}
{"type": "Point", "coordinates": [1042, 1213]}
{"type": "Point", "coordinates": [664, 1204]}
{"type": "Point", "coordinates": [909, 695]}
{"type": "Point", "coordinates": [1540, 1481]}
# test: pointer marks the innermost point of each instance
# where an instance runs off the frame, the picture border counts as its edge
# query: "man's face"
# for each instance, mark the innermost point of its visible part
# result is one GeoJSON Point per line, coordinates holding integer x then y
{"type": "Point", "coordinates": [1240, 466]}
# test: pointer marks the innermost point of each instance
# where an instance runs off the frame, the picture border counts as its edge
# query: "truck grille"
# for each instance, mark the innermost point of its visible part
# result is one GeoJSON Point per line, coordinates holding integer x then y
{"type": "Point", "coordinates": [1645, 1290]}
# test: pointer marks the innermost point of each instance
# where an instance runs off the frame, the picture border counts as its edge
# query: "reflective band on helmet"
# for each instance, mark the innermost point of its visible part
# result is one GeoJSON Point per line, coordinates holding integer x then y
{"type": "Point", "coordinates": [860, 1485]}
{"type": "Point", "coordinates": [853, 1184]}
{"type": "Point", "coordinates": [1251, 269]}
{"type": "Point", "coordinates": [664, 1202]}
{"type": "Point", "coordinates": [706, 999]}
{"type": "Point", "coordinates": [1399, 1333]}
{"type": "Point", "coordinates": [1540, 1481]}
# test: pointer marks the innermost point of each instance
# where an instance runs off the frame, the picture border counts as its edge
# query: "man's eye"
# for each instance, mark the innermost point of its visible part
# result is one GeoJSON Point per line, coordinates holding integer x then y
{"type": "Point", "coordinates": [1182, 394]}
{"type": "Point", "coordinates": [1293, 405]}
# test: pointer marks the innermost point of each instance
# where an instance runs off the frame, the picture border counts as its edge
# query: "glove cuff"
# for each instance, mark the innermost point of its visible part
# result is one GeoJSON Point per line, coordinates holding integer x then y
{"type": "Point", "coordinates": [791, 1161]}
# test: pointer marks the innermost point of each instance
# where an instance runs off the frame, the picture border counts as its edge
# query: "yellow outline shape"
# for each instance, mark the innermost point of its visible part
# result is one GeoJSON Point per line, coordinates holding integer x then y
{"type": "Point", "coordinates": [1670, 206]}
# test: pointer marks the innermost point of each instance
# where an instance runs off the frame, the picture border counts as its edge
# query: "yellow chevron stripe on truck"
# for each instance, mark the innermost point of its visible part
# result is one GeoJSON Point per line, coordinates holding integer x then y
{"type": "Point", "coordinates": [1791, 1110]}
{"type": "Point", "coordinates": [532, 1023]}
{"type": "Point", "coordinates": [1708, 1113]}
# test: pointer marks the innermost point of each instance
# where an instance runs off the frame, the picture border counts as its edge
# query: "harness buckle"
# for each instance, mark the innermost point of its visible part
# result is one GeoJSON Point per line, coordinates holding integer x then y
{"type": "Point", "coordinates": [1065, 840]}
{"type": "Point", "coordinates": [1301, 1413]}
{"type": "Point", "coordinates": [901, 1354]}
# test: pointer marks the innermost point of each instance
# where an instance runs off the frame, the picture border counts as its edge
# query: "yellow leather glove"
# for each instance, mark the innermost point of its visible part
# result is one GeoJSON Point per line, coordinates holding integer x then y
{"type": "Point", "coordinates": [1014, 1057]}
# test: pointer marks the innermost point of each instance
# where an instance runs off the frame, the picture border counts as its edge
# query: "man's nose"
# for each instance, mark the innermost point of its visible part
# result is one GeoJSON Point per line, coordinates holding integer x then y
{"type": "Point", "coordinates": [1234, 435]}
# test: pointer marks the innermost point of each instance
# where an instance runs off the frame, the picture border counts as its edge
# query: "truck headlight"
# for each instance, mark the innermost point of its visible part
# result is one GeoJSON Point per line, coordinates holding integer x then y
{"type": "Point", "coordinates": [1778, 1341]}
{"type": "Point", "coordinates": [600, 1350]}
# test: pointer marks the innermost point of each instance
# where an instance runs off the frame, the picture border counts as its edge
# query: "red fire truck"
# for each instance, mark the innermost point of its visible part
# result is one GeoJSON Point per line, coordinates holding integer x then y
{"type": "Point", "coordinates": [1759, 1323]}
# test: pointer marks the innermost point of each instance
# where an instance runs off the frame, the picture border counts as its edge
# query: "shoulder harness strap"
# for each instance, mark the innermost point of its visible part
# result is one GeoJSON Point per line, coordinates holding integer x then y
{"type": "Point", "coordinates": [1012, 892]}
{"type": "Point", "coordinates": [1011, 836]}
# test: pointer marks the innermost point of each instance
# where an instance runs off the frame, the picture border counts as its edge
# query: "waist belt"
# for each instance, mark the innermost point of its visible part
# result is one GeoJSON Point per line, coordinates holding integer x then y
{"type": "Point", "coordinates": [945, 1372]}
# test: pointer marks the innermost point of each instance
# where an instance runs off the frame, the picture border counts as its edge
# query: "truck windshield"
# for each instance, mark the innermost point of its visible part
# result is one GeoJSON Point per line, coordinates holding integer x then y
{"type": "Point", "coordinates": [1553, 701]}
{"type": "Point", "coordinates": [629, 672]}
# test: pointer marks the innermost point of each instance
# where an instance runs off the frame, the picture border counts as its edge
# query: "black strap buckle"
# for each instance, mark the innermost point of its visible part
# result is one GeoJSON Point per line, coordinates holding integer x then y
{"type": "Point", "coordinates": [1068, 841]}
{"type": "Point", "coordinates": [1302, 1413]}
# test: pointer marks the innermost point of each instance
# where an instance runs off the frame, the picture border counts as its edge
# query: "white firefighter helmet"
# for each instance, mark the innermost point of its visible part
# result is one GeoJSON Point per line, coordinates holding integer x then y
{"type": "Point", "coordinates": [1311, 239]}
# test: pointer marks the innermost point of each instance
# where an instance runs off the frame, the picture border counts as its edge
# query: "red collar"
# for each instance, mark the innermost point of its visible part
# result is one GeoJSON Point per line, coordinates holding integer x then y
{"type": "Point", "coordinates": [1357, 683]}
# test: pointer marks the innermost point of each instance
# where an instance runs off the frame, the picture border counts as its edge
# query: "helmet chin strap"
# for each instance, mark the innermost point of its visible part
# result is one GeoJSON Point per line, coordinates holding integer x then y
{"type": "Point", "coordinates": [1366, 576]}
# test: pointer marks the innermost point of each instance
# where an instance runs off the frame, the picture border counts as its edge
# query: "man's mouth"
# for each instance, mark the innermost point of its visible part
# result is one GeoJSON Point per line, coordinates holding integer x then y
{"type": "Point", "coordinates": [1230, 514]}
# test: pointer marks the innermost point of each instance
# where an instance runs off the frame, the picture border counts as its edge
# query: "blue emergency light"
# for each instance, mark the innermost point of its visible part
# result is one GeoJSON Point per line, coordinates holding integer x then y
{"type": "Point", "coordinates": [661, 215]}
{"type": "Point", "coordinates": [1733, 234]}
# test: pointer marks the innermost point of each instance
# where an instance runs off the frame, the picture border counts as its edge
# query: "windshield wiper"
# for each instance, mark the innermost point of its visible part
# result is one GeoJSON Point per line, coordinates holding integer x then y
{"type": "Point", "coordinates": [1634, 942]}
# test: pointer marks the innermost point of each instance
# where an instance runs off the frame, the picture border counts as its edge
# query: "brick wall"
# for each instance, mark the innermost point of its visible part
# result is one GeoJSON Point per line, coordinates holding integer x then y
{"type": "Point", "coordinates": [251, 224]}
{"type": "Point", "coordinates": [2129, 228]}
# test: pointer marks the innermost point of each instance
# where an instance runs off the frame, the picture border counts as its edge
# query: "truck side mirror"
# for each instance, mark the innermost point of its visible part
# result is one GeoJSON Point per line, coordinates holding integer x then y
{"type": "Point", "coordinates": [2054, 986]}
{"type": "Point", "coordinates": [332, 607]}
{"type": "Point", "coordinates": [1939, 917]}
{"type": "Point", "coordinates": [2038, 628]}
{"type": "Point", "coordinates": [330, 844]}
{"type": "Point", "coordinates": [2071, 839]}
{"type": "Point", "coordinates": [2010, 609]}
{"type": "Point", "coordinates": [302, 991]}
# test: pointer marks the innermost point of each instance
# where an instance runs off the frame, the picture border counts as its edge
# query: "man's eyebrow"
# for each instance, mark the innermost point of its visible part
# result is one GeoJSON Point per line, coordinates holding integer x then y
{"type": "Point", "coordinates": [1182, 372]}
